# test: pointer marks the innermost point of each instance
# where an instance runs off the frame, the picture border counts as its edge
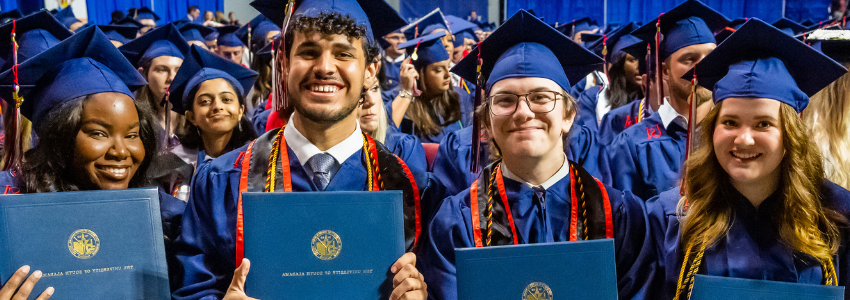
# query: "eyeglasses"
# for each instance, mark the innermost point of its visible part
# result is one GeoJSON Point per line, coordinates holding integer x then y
{"type": "Point", "coordinates": [538, 102]}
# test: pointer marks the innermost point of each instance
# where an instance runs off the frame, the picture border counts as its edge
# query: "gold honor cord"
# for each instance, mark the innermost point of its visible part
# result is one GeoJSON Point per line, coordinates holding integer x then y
{"type": "Point", "coordinates": [490, 192]}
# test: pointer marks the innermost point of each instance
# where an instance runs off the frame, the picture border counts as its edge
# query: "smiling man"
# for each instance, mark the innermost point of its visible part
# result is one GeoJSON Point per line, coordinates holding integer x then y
{"type": "Point", "coordinates": [647, 157]}
{"type": "Point", "coordinates": [330, 56]}
{"type": "Point", "coordinates": [529, 195]}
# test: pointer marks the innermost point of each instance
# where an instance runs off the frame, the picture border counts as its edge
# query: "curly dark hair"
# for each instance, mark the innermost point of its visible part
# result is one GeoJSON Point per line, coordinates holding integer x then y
{"type": "Point", "coordinates": [47, 167]}
{"type": "Point", "coordinates": [332, 23]}
{"type": "Point", "coordinates": [190, 135]}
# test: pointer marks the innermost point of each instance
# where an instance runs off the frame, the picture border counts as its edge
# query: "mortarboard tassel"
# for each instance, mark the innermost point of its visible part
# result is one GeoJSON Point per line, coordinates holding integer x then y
{"type": "Point", "coordinates": [250, 49]}
{"type": "Point", "coordinates": [14, 141]}
{"type": "Point", "coordinates": [660, 85]}
{"type": "Point", "coordinates": [643, 110]}
{"type": "Point", "coordinates": [605, 57]}
{"type": "Point", "coordinates": [573, 30]}
{"type": "Point", "coordinates": [474, 163]}
{"type": "Point", "coordinates": [274, 74]}
{"type": "Point", "coordinates": [280, 100]}
{"type": "Point", "coordinates": [167, 140]}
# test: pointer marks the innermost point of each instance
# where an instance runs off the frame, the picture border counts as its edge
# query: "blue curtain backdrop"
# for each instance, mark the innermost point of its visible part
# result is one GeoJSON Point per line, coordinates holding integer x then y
{"type": "Point", "coordinates": [168, 10]}
{"type": "Point", "coordinates": [412, 9]}
{"type": "Point", "coordinates": [624, 11]}
{"type": "Point", "coordinates": [26, 6]}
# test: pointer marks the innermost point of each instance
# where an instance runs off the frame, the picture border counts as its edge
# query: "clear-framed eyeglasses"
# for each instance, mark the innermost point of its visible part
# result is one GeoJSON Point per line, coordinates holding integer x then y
{"type": "Point", "coordinates": [539, 102]}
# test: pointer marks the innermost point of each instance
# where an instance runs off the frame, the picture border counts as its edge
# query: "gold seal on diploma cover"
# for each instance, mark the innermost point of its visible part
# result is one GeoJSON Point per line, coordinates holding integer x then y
{"type": "Point", "coordinates": [83, 244]}
{"type": "Point", "coordinates": [326, 245]}
{"type": "Point", "coordinates": [537, 291]}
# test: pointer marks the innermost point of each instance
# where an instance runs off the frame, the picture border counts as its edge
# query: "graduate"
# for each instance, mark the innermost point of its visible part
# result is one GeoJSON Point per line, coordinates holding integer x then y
{"type": "Point", "coordinates": [146, 17]}
{"type": "Point", "coordinates": [439, 109]}
{"type": "Point", "coordinates": [129, 21]}
{"type": "Point", "coordinates": [119, 34]}
{"type": "Point", "coordinates": [756, 202]}
{"type": "Point", "coordinates": [623, 73]}
{"type": "Point", "coordinates": [826, 115]}
{"type": "Point", "coordinates": [263, 31]}
{"type": "Point", "coordinates": [393, 57]}
{"type": "Point", "coordinates": [68, 19]}
{"type": "Point", "coordinates": [531, 186]}
{"type": "Point", "coordinates": [194, 34]}
{"type": "Point", "coordinates": [374, 121]}
{"type": "Point", "coordinates": [211, 40]}
{"type": "Point", "coordinates": [261, 94]}
{"type": "Point", "coordinates": [229, 45]}
{"type": "Point", "coordinates": [93, 136]}
{"type": "Point", "coordinates": [158, 55]}
{"type": "Point", "coordinates": [575, 29]}
{"type": "Point", "coordinates": [322, 149]}
{"type": "Point", "coordinates": [210, 92]}
{"type": "Point", "coordinates": [646, 158]}
{"type": "Point", "coordinates": [620, 118]}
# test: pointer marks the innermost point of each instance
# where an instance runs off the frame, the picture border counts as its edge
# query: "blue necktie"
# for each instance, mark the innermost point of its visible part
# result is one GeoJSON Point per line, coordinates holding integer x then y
{"type": "Point", "coordinates": [321, 164]}
{"type": "Point", "coordinates": [539, 230]}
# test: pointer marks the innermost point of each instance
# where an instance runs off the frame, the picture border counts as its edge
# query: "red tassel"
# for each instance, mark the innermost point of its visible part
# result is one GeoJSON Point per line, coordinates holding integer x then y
{"type": "Point", "coordinates": [692, 104]}
{"type": "Point", "coordinates": [648, 69]}
{"type": "Point", "coordinates": [474, 163]}
{"type": "Point", "coordinates": [13, 140]}
{"type": "Point", "coordinates": [658, 80]}
{"type": "Point", "coordinates": [281, 101]}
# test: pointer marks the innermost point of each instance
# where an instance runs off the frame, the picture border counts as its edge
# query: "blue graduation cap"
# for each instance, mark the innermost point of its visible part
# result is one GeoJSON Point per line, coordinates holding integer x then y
{"type": "Point", "coordinates": [460, 38]}
{"type": "Point", "coordinates": [425, 25]}
{"type": "Point", "coordinates": [34, 33]}
{"type": "Point", "coordinates": [426, 49]}
{"type": "Point", "coordinates": [10, 15]}
{"type": "Point", "coordinates": [201, 65]}
{"type": "Point", "coordinates": [163, 41]}
{"type": "Point", "coordinates": [227, 36]}
{"type": "Point", "coordinates": [637, 49]}
{"type": "Point", "coordinates": [145, 13]}
{"type": "Point", "coordinates": [119, 33]}
{"type": "Point", "coordinates": [458, 25]}
{"type": "Point", "coordinates": [589, 38]}
{"type": "Point", "coordinates": [760, 61]}
{"type": "Point", "coordinates": [265, 53]}
{"type": "Point", "coordinates": [67, 17]}
{"type": "Point", "coordinates": [571, 28]}
{"type": "Point", "coordinates": [260, 28]}
{"type": "Point", "coordinates": [194, 32]}
{"type": "Point", "coordinates": [129, 21]}
{"type": "Point", "coordinates": [212, 36]}
{"type": "Point", "coordinates": [730, 28]}
{"type": "Point", "coordinates": [611, 43]}
{"type": "Point", "coordinates": [524, 46]}
{"type": "Point", "coordinates": [379, 17]}
{"type": "Point", "coordinates": [690, 23]}
{"type": "Point", "coordinates": [789, 27]}
{"type": "Point", "coordinates": [82, 65]}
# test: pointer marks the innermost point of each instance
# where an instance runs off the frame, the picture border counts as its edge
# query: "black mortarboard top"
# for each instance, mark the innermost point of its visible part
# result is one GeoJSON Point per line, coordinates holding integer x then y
{"type": "Point", "coordinates": [129, 21]}
{"type": "Point", "coordinates": [761, 61]}
{"type": "Point", "coordinates": [458, 25]}
{"type": "Point", "coordinates": [82, 65]}
{"type": "Point", "coordinates": [611, 41]}
{"type": "Point", "coordinates": [426, 49]}
{"type": "Point", "coordinates": [145, 13]}
{"type": "Point", "coordinates": [789, 27]}
{"type": "Point", "coordinates": [425, 25]}
{"type": "Point", "coordinates": [571, 28]}
{"type": "Point", "coordinates": [728, 30]}
{"type": "Point", "coordinates": [690, 23]}
{"type": "Point", "coordinates": [266, 52]}
{"type": "Point", "coordinates": [34, 33]}
{"type": "Point", "coordinates": [589, 38]}
{"type": "Point", "coordinates": [194, 32]}
{"type": "Point", "coordinates": [120, 33]}
{"type": "Point", "coordinates": [260, 28]}
{"type": "Point", "coordinates": [524, 46]}
{"type": "Point", "coordinates": [212, 36]}
{"type": "Point", "coordinates": [807, 22]}
{"type": "Point", "coordinates": [201, 65]}
{"type": "Point", "coordinates": [66, 17]}
{"type": "Point", "coordinates": [832, 43]}
{"type": "Point", "coordinates": [227, 36]}
{"type": "Point", "coordinates": [378, 16]}
{"type": "Point", "coordinates": [10, 15]}
{"type": "Point", "coordinates": [163, 41]}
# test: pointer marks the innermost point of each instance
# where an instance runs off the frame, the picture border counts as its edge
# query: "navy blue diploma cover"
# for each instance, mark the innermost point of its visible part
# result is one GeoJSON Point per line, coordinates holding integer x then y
{"type": "Point", "coordinates": [565, 270]}
{"type": "Point", "coordinates": [728, 288]}
{"type": "Point", "coordinates": [89, 245]}
{"type": "Point", "coordinates": [322, 245]}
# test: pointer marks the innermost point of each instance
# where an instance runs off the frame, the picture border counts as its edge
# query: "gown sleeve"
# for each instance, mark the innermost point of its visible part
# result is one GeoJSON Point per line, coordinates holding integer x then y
{"type": "Point", "coordinates": [447, 230]}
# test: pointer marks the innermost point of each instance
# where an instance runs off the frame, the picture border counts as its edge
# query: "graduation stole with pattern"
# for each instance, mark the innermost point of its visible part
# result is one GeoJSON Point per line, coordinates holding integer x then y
{"type": "Point", "coordinates": [693, 259]}
{"type": "Point", "coordinates": [266, 160]}
{"type": "Point", "coordinates": [493, 224]}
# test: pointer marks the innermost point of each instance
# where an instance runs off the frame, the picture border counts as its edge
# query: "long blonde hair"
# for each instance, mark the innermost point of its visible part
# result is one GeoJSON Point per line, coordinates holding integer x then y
{"type": "Point", "coordinates": [828, 118]}
{"type": "Point", "coordinates": [803, 223]}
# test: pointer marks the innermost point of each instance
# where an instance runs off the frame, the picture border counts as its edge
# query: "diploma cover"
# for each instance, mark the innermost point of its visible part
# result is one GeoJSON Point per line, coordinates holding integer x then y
{"type": "Point", "coordinates": [729, 288]}
{"type": "Point", "coordinates": [564, 270]}
{"type": "Point", "coordinates": [322, 245]}
{"type": "Point", "coordinates": [89, 245]}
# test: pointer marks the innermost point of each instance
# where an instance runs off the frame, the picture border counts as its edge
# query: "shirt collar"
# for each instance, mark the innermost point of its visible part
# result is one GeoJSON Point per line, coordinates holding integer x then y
{"type": "Point", "coordinates": [669, 114]}
{"type": "Point", "coordinates": [564, 171]}
{"type": "Point", "coordinates": [304, 149]}
{"type": "Point", "coordinates": [397, 59]}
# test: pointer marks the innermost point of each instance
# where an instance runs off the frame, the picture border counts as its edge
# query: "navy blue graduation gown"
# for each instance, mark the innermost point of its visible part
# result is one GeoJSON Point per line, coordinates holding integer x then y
{"type": "Point", "coordinates": [408, 148]}
{"type": "Point", "coordinates": [586, 114]}
{"type": "Point", "coordinates": [207, 246]}
{"type": "Point", "coordinates": [451, 164]}
{"type": "Point", "coordinates": [466, 110]}
{"type": "Point", "coordinates": [451, 228]}
{"type": "Point", "coordinates": [645, 159]}
{"type": "Point", "coordinates": [260, 119]}
{"type": "Point", "coordinates": [617, 120]}
{"type": "Point", "coordinates": [577, 89]}
{"type": "Point", "coordinates": [751, 248]}
{"type": "Point", "coordinates": [393, 73]}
